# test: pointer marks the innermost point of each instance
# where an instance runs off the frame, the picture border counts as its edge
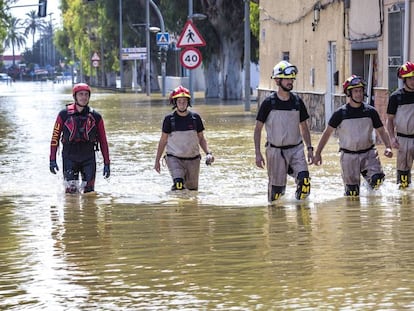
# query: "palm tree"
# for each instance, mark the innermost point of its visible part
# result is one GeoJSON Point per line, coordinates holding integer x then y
{"type": "Point", "coordinates": [33, 23]}
{"type": "Point", "coordinates": [14, 38]}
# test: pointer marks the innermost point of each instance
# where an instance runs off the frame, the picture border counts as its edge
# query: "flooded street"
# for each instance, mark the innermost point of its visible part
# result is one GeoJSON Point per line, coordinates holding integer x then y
{"type": "Point", "coordinates": [135, 245]}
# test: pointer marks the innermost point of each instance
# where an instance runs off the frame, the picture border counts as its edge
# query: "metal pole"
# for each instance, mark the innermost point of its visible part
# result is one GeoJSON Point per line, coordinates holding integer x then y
{"type": "Point", "coordinates": [190, 76]}
{"type": "Point", "coordinates": [406, 45]}
{"type": "Point", "coordinates": [121, 66]}
{"type": "Point", "coordinates": [134, 76]}
{"type": "Point", "coordinates": [246, 55]}
{"type": "Point", "coordinates": [102, 63]}
{"type": "Point", "coordinates": [163, 64]}
{"type": "Point", "coordinates": [147, 36]}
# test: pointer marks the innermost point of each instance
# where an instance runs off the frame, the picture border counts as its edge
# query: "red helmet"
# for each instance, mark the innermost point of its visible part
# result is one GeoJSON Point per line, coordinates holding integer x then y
{"type": "Point", "coordinates": [406, 70]}
{"type": "Point", "coordinates": [80, 87]}
{"type": "Point", "coordinates": [353, 82]}
{"type": "Point", "coordinates": [179, 91]}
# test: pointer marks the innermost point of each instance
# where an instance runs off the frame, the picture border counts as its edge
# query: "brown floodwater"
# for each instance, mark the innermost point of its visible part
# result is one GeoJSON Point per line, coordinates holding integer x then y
{"type": "Point", "coordinates": [135, 245]}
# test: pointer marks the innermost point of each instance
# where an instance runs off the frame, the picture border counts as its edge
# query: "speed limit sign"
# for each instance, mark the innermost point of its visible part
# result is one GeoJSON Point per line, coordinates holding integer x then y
{"type": "Point", "coordinates": [190, 58]}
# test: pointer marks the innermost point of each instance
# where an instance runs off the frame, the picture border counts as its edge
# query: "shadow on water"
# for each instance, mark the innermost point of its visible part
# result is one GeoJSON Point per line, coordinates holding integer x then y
{"type": "Point", "coordinates": [135, 245]}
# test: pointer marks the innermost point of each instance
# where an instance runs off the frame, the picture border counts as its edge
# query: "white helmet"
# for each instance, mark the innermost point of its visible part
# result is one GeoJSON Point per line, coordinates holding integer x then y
{"type": "Point", "coordinates": [284, 70]}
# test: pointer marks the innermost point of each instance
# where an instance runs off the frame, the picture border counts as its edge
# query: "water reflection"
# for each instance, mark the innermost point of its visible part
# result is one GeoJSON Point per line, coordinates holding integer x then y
{"type": "Point", "coordinates": [135, 245]}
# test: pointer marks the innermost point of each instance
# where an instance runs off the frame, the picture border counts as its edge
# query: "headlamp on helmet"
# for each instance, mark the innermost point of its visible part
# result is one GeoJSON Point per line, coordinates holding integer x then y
{"type": "Point", "coordinates": [406, 70]}
{"type": "Point", "coordinates": [179, 91]}
{"type": "Point", "coordinates": [353, 82]}
{"type": "Point", "coordinates": [284, 70]}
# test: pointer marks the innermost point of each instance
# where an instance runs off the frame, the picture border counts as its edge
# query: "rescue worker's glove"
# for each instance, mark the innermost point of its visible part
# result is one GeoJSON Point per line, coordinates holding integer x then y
{"type": "Point", "coordinates": [53, 166]}
{"type": "Point", "coordinates": [106, 171]}
{"type": "Point", "coordinates": [209, 158]}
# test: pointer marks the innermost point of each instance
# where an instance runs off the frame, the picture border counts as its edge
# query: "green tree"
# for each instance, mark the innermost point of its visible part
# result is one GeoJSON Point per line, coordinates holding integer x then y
{"type": "Point", "coordinates": [90, 26]}
{"type": "Point", "coordinates": [15, 38]}
{"type": "Point", "coordinates": [4, 20]}
{"type": "Point", "coordinates": [223, 31]}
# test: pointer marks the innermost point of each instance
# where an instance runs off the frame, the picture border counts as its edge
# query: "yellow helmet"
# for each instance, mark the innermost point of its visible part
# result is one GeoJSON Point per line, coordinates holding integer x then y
{"type": "Point", "coordinates": [406, 70]}
{"type": "Point", "coordinates": [179, 91]}
{"type": "Point", "coordinates": [284, 70]}
{"type": "Point", "coordinates": [353, 82]}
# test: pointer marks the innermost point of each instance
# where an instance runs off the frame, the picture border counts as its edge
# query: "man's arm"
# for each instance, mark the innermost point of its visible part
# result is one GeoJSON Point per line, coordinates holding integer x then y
{"type": "Point", "coordinates": [386, 140]}
{"type": "Point", "coordinates": [161, 146]}
{"type": "Point", "coordinates": [317, 158]}
{"type": "Point", "coordinates": [304, 129]}
{"type": "Point", "coordinates": [54, 142]}
{"type": "Point", "coordinates": [257, 140]}
{"type": "Point", "coordinates": [391, 130]}
{"type": "Point", "coordinates": [103, 142]}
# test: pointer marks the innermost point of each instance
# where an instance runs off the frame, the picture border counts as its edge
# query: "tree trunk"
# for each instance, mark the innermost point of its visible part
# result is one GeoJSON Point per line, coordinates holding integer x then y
{"type": "Point", "coordinates": [231, 84]}
{"type": "Point", "coordinates": [211, 74]}
{"type": "Point", "coordinates": [226, 17]}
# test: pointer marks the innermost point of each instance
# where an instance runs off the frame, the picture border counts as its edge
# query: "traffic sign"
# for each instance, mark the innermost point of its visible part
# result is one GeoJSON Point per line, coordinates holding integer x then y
{"type": "Point", "coordinates": [190, 58]}
{"type": "Point", "coordinates": [95, 57]}
{"type": "Point", "coordinates": [134, 53]}
{"type": "Point", "coordinates": [190, 36]}
{"type": "Point", "coordinates": [163, 38]}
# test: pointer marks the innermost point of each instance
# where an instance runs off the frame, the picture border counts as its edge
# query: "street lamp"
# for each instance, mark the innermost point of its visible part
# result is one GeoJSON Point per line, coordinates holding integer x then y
{"type": "Point", "coordinates": [148, 30]}
{"type": "Point", "coordinates": [162, 49]}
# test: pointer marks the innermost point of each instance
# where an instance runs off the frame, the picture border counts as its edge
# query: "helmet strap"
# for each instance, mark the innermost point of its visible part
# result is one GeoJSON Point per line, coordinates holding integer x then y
{"type": "Point", "coordinates": [350, 95]}
{"type": "Point", "coordinates": [77, 104]}
{"type": "Point", "coordinates": [182, 111]}
{"type": "Point", "coordinates": [407, 87]}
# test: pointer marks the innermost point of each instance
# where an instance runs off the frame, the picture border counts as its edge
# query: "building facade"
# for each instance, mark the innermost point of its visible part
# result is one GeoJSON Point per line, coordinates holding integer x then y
{"type": "Point", "coordinates": [328, 40]}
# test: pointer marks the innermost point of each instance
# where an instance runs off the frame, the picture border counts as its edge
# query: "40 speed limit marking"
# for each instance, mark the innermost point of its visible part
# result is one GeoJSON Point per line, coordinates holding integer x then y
{"type": "Point", "coordinates": [190, 58]}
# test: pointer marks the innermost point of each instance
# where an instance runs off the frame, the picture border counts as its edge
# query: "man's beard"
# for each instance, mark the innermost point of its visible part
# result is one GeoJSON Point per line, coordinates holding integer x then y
{"type": "Point", "coordinates": [286, 89]}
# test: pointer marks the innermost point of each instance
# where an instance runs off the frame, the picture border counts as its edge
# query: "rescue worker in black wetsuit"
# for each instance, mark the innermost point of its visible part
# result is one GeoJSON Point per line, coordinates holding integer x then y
{"type": "Point", "coordinates": [400, 124]}
{"type": "Point", "coordinates": [81, 129]}
{"type": "Point", "coordinates": [182, 136]}
{"type": "Point", "coordinates": [284, 116]}
{"type": "Point", "coordinates": [354, 123]}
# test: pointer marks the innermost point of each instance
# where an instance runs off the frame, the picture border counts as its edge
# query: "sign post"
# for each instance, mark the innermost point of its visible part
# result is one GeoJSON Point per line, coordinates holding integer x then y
{"type": "Point", "coordinates": [95, 63]}
{"type": "Point", "coordinates": [190, 57]}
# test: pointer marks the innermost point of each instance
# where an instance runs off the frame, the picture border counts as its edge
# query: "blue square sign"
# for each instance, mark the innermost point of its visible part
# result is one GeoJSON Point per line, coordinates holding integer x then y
{"type": "Point", "coordinates": [163, 38]}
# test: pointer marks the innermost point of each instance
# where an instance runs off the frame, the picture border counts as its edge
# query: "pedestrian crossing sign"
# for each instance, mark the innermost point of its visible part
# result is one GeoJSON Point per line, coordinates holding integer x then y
{"type": "Point", "coordinates": [163, 38]}
{"type": "Point", "coordinates": [190, 36]}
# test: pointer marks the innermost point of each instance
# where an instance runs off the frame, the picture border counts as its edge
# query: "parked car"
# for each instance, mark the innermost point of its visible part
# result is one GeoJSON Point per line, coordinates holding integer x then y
{"type": "Point", "coordinates": [4, 77]}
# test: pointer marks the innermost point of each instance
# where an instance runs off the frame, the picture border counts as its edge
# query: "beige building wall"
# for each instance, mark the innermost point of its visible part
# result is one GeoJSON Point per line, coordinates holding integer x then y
{"type": "Point", "coordinates": [286, 27]}
{"type": "Point", "coordinates": [326, 37]}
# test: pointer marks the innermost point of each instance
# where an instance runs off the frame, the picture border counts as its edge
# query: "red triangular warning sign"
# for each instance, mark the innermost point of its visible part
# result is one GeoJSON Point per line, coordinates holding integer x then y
{"type": "Point", "coordinates": [190, 36]}
{"type": "Point", "coordinates": [95, 57]}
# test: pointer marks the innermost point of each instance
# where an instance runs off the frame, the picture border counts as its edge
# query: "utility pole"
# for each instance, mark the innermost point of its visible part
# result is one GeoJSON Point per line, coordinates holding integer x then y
{"type": "Point", "coordinates": [246, 55]}
{"type": "Point", "coordinates": [190, 76]}
{"type": "Point", "coordinates": [148, 42]}
{"type": "Point", "coordinates": [121, 66]}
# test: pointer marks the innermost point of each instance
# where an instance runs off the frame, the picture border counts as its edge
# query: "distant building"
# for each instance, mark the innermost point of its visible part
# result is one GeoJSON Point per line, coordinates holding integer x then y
{"type": "Point", "coordinates": [7, 60]}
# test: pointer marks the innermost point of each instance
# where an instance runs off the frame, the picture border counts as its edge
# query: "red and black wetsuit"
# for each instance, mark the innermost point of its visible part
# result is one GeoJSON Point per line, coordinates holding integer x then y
{"type": "Point", "coordinates": [79, 133]}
